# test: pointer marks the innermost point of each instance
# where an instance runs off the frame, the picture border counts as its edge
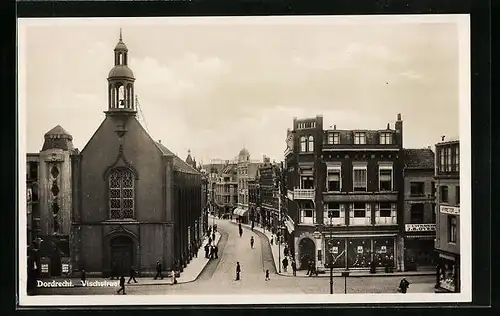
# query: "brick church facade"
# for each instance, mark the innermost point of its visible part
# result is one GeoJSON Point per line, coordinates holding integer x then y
{"type": "Point", "coordinates": [134, 202]}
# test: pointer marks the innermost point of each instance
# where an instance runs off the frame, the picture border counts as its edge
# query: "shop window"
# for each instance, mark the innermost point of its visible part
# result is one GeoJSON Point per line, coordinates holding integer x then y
{"type": "Point", "coordinates": [383, 252]}
{"type": "Point", "coordinates": [359, 253]}
{"type": "Point", "coordinates": [335, 252]}
{"type": "Point", "coordinates": [359, 178]}
{"type": "Point", "coordinates": [333, 179]}
{"type": "Point", "coordinates": [385, 178]}
{"type": "Point", "coordinates": [443, 194]}
{"type": "Point", "coordinates": [452, 229]}
{"type": "Point", "coordinates": [417, 188]}
{"type": "Point", "coordinates": [359, 138]}
{"type": "Point", "coordinates": [417, 213]}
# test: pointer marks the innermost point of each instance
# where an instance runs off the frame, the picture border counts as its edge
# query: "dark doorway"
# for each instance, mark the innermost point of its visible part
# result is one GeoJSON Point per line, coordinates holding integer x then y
{"type": "Point", "coordinates": [122, 253]}
{"type": "Point", "coordinates": [306, 252]}
{"type": "Point", "coordinates": [55, 262]}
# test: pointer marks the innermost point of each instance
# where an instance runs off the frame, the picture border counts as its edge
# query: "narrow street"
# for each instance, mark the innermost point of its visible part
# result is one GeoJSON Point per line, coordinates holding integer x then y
{"type": "Point", "coordinates": [218, 277]}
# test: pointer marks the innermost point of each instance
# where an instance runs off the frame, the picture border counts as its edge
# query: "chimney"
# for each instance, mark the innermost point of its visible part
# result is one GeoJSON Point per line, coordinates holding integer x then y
{"type": "Point", "coordinates": [334, 127]}
{"type": "Point", "coordinates": [399, 116]}
{"type": "Point", "coordinates": [388, 125]}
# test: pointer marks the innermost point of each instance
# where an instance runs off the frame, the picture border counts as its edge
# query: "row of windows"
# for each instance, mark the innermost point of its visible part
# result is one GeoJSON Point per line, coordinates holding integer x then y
{"type": "Point", "coordinates": [359, 214]}
{"type": "Point", "coordinates": [449, 159]}
{"type": "Point", "coordinates": [385, 138]}
{"type": "Point", "coordinates": [306, 125]}
{"type": "Point", "coordinates": [359, 179]}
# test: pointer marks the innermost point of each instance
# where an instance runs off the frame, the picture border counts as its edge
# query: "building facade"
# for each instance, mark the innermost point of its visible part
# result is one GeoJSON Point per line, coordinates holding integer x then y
{"type": "Point", "coordinates": [49, 206]}
{"type": "Point", "coordinates": [345, 194]}
{"type": "Point", "coordinates": [447, 177]}
{"type": "Point", "coordinates": [134, 202]}
{"type": "Point", "coordinates": [226, 190]}
{"type": "Point", "coordinates": [419, 210]}
{"type": "Point", "coordinates": [246, 170]}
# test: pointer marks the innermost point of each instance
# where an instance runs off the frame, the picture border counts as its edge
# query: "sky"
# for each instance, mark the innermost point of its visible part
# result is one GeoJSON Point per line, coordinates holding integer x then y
{"type": "Point", "coordinates": [215, 85]}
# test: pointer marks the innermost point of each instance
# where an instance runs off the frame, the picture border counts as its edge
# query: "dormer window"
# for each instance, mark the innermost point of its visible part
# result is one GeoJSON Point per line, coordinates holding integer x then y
{"type": "Point", "coordinates": [359, 138]}
{"type": "Point", "coordinates": [333, 138]}
{"type": "Point", "coordinates": [385, 138]}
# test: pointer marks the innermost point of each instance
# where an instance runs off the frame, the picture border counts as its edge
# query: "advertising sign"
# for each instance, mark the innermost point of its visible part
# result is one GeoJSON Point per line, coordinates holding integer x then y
{"type": "Point", "coordinates": [420, 227]}
{"type": "Point", "coordinates": [360, 249]}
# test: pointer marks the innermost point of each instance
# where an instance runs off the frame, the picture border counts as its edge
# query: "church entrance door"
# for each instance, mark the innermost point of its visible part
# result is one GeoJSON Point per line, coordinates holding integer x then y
{"type": "Point", "coordinates": [122, 253]}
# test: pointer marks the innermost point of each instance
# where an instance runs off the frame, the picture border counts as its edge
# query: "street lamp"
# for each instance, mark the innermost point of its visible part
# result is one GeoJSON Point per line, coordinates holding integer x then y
{"type": "Point", "coordinates": [213, 204]}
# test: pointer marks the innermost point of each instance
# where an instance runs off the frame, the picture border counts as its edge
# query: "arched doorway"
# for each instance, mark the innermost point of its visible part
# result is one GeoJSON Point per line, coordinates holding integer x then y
{"type": "Point", "coordinates": [122, 253]}
{"type": "Point", "coordinates": [306, 252]}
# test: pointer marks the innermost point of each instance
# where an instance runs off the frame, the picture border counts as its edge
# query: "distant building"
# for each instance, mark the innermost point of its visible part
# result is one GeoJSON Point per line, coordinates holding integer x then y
{"type": "Point", "coordinates": [246, 170]}
{"type": "Point", "coordinates": [447, 177]}
{"type": "Point", "coordinates": [134, 201]}
{"type": "Point", "coordinates": [226, 190]}
{"type": "Point", "coordinates": [345, 190]}
{"type": "Point", "coordinates": [49, 202]}
{"type": "Point", "coordinates": [419, 210]}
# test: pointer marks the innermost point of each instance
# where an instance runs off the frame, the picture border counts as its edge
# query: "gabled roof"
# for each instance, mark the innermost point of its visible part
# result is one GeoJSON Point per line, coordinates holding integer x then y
{"type": "Point", "coordinates": [419, 158]}
{"type": "Point", "coordinates": [179, 164]}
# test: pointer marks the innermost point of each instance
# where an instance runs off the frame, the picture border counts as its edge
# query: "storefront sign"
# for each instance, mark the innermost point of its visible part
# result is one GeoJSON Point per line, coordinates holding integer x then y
{"type": "Point", "coordinates": [334, 250]}
{"type": "Point", "coordinates": [450, 210]}
{"type": "Point", "coordinates": [360, 249]}
{"type": "Point", "coordinates": [420, 227]}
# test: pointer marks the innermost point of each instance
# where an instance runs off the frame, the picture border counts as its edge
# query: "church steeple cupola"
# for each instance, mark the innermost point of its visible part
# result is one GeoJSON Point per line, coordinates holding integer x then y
{"type": "Point", "coordinates": [121, 82]}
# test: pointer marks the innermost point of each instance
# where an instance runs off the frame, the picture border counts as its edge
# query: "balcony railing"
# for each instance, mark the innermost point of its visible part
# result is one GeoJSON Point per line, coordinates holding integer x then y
{"type": "Point", "coordinates": [391, 220]}
{"type": "Point", "coordinates": [303, 194]}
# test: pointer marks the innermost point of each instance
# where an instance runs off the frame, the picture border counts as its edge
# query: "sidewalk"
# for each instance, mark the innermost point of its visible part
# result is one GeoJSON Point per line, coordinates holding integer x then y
{"type": "Point", "coordinates": [336, 272]}
{"type": "Point", "coordinates": [190, 273]}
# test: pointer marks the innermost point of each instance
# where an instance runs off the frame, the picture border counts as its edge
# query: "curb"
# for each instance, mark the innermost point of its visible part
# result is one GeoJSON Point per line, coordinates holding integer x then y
{"type": "Point", "coordinates": [338, 274]}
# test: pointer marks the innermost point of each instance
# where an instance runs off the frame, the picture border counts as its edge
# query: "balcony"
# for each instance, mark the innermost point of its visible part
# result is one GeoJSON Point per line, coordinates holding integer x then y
{"type": "Point", "coordinates": [304, 194]}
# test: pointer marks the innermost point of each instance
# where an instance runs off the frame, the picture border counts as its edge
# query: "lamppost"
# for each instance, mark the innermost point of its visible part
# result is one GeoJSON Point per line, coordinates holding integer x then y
{"type": "Point", "coordinates": [331, 260]}
{"type": "Point", "coordinates": [279, 225]}
{"type": "Point", "coordinates": [213, 204]}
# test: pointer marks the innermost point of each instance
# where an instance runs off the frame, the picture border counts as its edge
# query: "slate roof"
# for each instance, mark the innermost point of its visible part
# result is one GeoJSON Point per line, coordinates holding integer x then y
{"type": "Point", "coordinates": [419, 158]}
{"type": "Point", "coordinates": [179, 164]}
{"type": "Point", "coordinates": [58, 130]}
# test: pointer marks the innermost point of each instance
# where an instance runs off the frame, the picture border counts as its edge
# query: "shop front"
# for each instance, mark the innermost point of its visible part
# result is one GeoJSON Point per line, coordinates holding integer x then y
{"type": "Point", "coordinates": [448, 272]}
{"type": "Point", "coordinates": [419, 253]}
{"type": "Point", "coordinates": [359, 252]}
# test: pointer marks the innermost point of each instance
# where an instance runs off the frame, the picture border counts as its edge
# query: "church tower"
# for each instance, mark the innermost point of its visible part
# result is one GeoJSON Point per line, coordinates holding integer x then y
{"type": "Point", "coordinates": [121, 80]}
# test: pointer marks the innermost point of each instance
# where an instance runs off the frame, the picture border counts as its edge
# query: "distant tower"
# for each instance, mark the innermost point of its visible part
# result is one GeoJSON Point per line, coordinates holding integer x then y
{"type": "Point", "coordinates": [121, 88]}
{"type": "Point", "coordinates": [189, 159]}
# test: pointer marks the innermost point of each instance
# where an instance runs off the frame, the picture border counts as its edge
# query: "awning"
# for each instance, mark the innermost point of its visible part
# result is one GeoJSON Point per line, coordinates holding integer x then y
{"type": "Point", "coordinates": [289, 226]}
{"type": "Point", "coordinates": [240, 211]}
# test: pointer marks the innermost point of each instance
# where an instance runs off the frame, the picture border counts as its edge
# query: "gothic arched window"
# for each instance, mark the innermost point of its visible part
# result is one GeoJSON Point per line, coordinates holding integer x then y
{"type": "Point", "coordinates": [311, 143]}
{"type": "Point", "coordinates": [303, 144]}
{"type": "Point", "coordinates": [121, 194]}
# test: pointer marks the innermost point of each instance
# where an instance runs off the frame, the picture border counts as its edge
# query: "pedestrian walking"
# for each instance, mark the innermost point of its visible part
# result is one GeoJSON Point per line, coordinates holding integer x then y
{"type": "Point", "coordinates": [267, 275]}
{"type": "Point", "coordinates": [286, 251]}
{"type": "Point", "coordinates": [216, 252]}
{"type": "Point", "coordinates": [294, 268]}
{"type": "Point", "coordinates": [132, 275]}
{"type": "Point", "coordinates": [253, 225]}
{"type": "Point", "coordinates": [285, 263]}
{"type": "Point", "coordinates": [241, 232]}
{"type": "Point", "coordinates": [174, 278]}
{"type": "Point", "coordinates": [212, 252]}
{"type": "Point", "coordinates": [239, 226]}
{"type": "Point", "coordinates": [272, 240]}
{"type": "Point", "coordinates": [238, 271]}
{"type": "Point", "coordinates": [209, 240]}
{"type": "Point", "coordinates": [158, 271]}
{"type": "Point", "coordinates": [404, 285]}
{"type": "Point", "coordinates": [207, 249]}
{"type": "Point", "coordinates": [83, 276]}
{"type": "Point", "coordinates": [122, 286]}
{"type": "Point", "coordinates": [213, 237]}
{"type": "Point", "coordinates": [251, 242]}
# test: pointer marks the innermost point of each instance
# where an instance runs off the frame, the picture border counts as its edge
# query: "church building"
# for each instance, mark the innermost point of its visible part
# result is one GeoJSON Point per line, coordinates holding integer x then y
{"type": "Point", "coordinates": [134, 202]}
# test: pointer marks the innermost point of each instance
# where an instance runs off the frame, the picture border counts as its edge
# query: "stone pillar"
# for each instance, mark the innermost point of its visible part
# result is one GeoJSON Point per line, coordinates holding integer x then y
{"type": "Point", "coordinates": [400, 257]}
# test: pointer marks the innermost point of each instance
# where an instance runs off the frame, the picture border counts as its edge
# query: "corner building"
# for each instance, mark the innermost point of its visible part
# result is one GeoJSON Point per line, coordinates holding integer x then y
{"type": "Point", "coordinates": [344, 190]}
{"type": "Point", "coordinates": [447, 176]}
{"type": "Point", "coordinates": [134, 201]}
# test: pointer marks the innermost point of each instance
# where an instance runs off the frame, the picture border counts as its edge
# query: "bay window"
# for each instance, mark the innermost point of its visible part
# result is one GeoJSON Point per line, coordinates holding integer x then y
{"type": "Point", "coordinates": [359, 214]}
{"type": "Point", "coordinates": [385, 214]}
{"type": "Point", "coordinates": [334, 214]}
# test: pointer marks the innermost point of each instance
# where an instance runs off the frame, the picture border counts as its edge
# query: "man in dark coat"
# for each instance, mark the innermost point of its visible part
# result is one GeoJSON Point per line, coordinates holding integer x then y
{"type": "Point", "coordinates": [216, 252]}
{"type": "Point", "coordinates": [213, 237]}
{"type": "Point", "coordinates": [132, 275]}
{"type": "Point", "coordinates": [404, 285]}
{"type": "Point", "coordinates": [122, 285]}
{"type": "Point", "coordinates": [285, 264]}
{"type": "Point", "coordinates": [158, 271]}
{"type": "Point", "coordinates": [238, 271]}
{"type": "Point", "coordinates": [294, 268]}
{"type": "Point", "coordinates": [251, 242]}
{"type": "Point", "coordinates": [207, 250]}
